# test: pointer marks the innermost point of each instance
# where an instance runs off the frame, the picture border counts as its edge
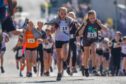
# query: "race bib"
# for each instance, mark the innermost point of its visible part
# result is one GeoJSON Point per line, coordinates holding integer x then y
{"type": "Point", "coordinates": [92, 32]}
{"type": "Point", "coordinates": [92, 35]}
{"type": "Point", "coordinates": [64, 29]}
{"type": "Point", "coordinates": [47, 45]}
{"type": "Point", "coordinates": [31, 40]}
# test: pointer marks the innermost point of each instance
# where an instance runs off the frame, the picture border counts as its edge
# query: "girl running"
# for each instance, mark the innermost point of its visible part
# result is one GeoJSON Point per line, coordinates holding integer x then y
{"type": "Point", "coordinates": [62, 36]}
{"type": "Point", "coordinates": [116, 54]}
{"type": "Point", "coordinates": [20, 57]}
{"type": "Point", "coordinates": [5, 38]}
{"type": "Point", "coordinates": [31, 49]}
{"type": "Point", "coordinates": [72, 57]}
{"type": "Point", "coordinates": [40, 47]}
{"type": "Point", "coordinates": [90, 36]}
{"type": "Point", "coordinates": [99, 53]}
{"type": "Point", "coordinates": [106, 56]}
{"type": "Point", "coordinates": [48, 48]}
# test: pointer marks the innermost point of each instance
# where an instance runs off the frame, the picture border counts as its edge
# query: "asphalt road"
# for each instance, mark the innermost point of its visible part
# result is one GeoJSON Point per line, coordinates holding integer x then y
{"type": "Point", "coordinates": [11, 75]}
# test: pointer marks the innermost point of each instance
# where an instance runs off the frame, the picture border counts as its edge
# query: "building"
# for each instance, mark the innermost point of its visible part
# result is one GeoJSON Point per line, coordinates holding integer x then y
{"type": "Point", "coordinates": [106, 8]}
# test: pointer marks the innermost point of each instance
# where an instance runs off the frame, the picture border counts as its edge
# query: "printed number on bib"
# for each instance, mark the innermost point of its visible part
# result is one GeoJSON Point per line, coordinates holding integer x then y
{"type": "Point", "coordinates": [31, 40]}
{"type": "Point", "coordinates": [64, 29]}
{"type": "Point", "coordinates": [92, 35]}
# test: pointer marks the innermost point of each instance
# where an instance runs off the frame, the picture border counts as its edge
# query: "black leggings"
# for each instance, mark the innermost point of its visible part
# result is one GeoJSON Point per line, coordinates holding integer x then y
{"type": "Point", "coordinates": [40, 53]}
{"type": "Point", "coordinates": [72, 50]}
{"type": "Point", "coordinates": [115, 60]}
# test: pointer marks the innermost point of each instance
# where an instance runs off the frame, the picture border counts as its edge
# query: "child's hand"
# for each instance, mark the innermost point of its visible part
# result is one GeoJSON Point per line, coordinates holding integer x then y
{"type": "Point", "coordinates": [98, 22]}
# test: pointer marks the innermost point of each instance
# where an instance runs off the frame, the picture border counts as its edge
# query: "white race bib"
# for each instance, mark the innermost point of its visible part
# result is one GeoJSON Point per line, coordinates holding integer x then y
{"type": "Point", "coordinates": [47, 45]}
{"type": "Point", "coordinates": [91, 35]}
{"type": "Point", "coordinates": [31, 40]}
{"type": "Point", "coordinates": [64, 27]}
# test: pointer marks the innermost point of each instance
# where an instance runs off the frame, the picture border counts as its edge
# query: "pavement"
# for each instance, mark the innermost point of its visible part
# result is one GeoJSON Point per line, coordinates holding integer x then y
{"type": "Point", "coordinates": [11, 75]}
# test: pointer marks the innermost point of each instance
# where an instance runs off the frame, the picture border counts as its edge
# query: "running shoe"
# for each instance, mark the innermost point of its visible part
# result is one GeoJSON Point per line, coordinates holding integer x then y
{"type": "Point", "coordinates": [29, 74]}
{"type": "Point", "coordinates": [2, 70]}
{"type": "Point", "coordinates": [59, 76]}
{"type": "Point", "coordinates": [86, 73]}
{"type": "Point", "coordinates": [35, 69]}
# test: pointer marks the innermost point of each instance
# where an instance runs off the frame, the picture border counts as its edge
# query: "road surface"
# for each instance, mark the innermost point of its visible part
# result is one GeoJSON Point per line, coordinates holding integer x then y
{"type": "Point", "coordinates": [11, 75]}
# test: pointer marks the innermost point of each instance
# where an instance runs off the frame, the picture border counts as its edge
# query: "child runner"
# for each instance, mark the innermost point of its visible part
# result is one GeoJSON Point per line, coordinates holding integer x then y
{"type": "Point", "coordinates": [5, 38]}
{"type": "Point", "coordinates": [62, 36]}
{"type": "Point", "coordinates": [99, 53]}
{"type": "Point", "coordinates": [31, 49]}
{"type": "Point", "coordinates": [48, 48]}
{"type": "Point", "coordinates": [106, 56]}
{"type": "Point", "coordinates": [40, 47]}
{"type": "Point", "coordinates": [116, 54]}
{"type": "Point", "coordinates": [90, 36]}
{"type": "Point", "coordinates": [72, 56]}
{"type": "Point", "coordinates": [20, 57]}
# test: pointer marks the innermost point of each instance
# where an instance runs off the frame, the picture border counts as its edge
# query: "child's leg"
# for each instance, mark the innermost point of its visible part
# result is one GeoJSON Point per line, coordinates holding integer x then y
{"type": "Point", "coordinates": [118, 66]}
{"type": "Point", "coordinates": [86, 56]}
{"type": "Point", "coordinates": [125, 63]}
{"type": "Point", "coordinates": [65, 50]}
{"type": "Point", "coordinates": [93, 54]}
{"type": "Point", "coordinates": [59, 60]}
{"type": "Point", "coordinates": [34, 57]}
{"type": "Point", "coordinates": [28, 54]}
{"type": "Point", "coordinates": [99, 62]}
{"type": "Point", "coordinates": [34, 60]}
{"type": "Point", "coordinates": [1, 59]}
{"type": "Point", "coordinates": [49, 61]}
{"type": "Point", "coordinates": [22, 64]}
{"type": "Point", "coordinates": [45, 61]}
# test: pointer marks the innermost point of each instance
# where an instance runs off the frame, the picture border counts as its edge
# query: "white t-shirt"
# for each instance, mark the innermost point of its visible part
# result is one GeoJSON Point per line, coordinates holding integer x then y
{"type": "Point", "coordinates": [123, 48]}
{"type": "Point", "coordinates": [48, 45]}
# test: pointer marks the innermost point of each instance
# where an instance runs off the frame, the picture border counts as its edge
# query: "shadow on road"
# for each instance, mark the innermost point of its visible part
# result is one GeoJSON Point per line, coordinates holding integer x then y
{"type": "Point", "coordinates": [50, 81]}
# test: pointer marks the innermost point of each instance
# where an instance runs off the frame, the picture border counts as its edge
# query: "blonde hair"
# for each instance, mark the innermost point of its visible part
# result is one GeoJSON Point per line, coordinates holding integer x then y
{"type": "Point", "coordinates": [73, 14]}
{"type": "Point", "coordinates": [63, 9]}
{"type": "Point", "coordinates": [92, 12]}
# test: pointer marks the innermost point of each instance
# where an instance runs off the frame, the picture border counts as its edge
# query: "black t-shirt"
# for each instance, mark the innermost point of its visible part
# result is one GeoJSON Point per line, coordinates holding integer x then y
{"type": "Point", "coordinates": [116, 51]}
{"type": "Point", "coordinates": [73, 31]}
{"type": "Point", "coordinates": [43, 34]}
{"type": "Point", "coordinates": [91, 31]}
{"type": "Point", "coordinates": [7, 25]}
{"type": "Point", "coordinates": [74, 28]}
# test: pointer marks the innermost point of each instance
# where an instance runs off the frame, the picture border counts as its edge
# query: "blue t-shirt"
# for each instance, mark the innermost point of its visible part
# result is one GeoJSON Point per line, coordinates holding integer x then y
{"type": "Point", "coordinates": [63, 32]}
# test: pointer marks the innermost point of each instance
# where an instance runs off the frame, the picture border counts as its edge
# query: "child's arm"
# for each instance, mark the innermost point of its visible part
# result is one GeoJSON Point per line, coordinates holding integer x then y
{"type": "Point", "coordinates": [6, 38]}
{"type": "Point", "coordinates": [15, 47]}
{"type": "Point", "coordinates": [101, 25]}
